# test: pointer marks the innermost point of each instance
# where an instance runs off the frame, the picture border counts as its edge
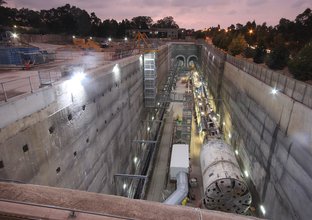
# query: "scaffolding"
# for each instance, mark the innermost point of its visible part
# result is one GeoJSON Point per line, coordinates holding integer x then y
{"type": "Point", "coordinates": [187, 117]}
{"type": "Point", "coordinates": [150, 79]}
{"type": "Point", "coordinates": [134, 185]}
{"type": "Point", "coordinates": [167, 95]}
{"type": "Point", "coordinates": [183, 129]}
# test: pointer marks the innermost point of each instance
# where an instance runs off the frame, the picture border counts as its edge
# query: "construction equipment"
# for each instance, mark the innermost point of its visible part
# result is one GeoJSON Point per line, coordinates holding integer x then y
{"type": "Point", "coordinates": [224, 188]}
{"type": "Point", "coordinates": [143, 43]}
{"type": "Point", "coordinates": [87, 44]}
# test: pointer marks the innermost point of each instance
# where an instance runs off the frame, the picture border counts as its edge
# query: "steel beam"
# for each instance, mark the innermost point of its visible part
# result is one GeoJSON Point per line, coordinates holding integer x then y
{"type": "Point", "coordinates": [160, 121]}
{"type": "Point", "coordinates": [145, 141]}
{"type": "Point", "coordinates": [130, 176]}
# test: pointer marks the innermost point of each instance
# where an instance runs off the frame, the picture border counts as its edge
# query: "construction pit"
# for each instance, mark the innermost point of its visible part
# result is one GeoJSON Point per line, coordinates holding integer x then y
{"type": "Point", "coordinates": [108, 126]}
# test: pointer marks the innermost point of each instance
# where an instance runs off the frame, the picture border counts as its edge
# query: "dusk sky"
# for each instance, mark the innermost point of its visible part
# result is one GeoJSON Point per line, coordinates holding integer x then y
{"type": "Point", "coordinates": [197, 14]}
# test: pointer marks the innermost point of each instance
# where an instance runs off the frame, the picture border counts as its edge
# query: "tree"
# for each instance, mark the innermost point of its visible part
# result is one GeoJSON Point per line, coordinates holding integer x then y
{"type": "Point", "coordinates": [301, 65]}
{"type": "Point", "coordinates": [59, 20]}
{"type": "Point", "coordinates": [250, 32]}
{"type": "Point", "coordinates": [239, 26]}
{"type": "Point", "coordinates": [305, 18]}
{"type": "Point", "coordinates": [260, 53]}
{"type": "Point", "coordinates": [166, 22]}
{"type": "Point", "coordinates": [142, 22]}
{"type": "Point", "coordinates": [231, 27]}
{"type": "Point", "coordinates": [2, 2]}
{"type": "Point", "coordinates": [8, 16]}
{"type": "Point", "coordinates": [262, 34]}
{"type": "Point", "coordinates": [222, 40]}
{"type": "Point", "coordinates": [29, 18]}
{"type": "Point", "coordinates": [249, 52]}
{"type": "Point", "coordinates": [304, 27]}
{"type": "Point", "coordinates": [238, 45]}
{"type": "Point", "coordinates": [286, 28]}
{"type": "Point", "coordinates": [278, 57]}
{"type": "Point", "coordinates": [82, 20]}
{"type": "Point", "coordinates": [217, 39]}
{"type": "Point", "coordinates": [109, 28]}
{"type": "Point", "coordinates": [123, 26]}
{"type": "Point", "coordinates": [199, 34]}
{"type": "Point", "coordinates": [65, 21]}
{"type": "Point", "coordinates": [95, 24]}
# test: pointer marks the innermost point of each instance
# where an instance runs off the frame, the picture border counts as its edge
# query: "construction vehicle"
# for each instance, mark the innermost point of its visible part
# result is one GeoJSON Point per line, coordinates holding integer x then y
{"type": "Point", "coordinates": [88, 44]}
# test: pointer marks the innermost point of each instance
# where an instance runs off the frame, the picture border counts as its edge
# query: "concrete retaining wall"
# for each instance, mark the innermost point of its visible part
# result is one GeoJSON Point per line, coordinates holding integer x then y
{"type": "Point", "coordinates": [162, 64]}
{"type": "Point", "coordinates": [271, 132]}
{"type": "Point", "coordinates": [75, 135]}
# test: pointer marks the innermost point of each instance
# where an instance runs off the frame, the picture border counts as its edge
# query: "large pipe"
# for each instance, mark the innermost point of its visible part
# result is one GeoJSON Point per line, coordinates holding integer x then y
{"type": "Point", "coordinates": [181, 192]}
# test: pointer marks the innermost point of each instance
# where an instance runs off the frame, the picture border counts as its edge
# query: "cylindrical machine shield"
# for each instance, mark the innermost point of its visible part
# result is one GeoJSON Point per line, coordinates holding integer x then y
{"type": "Point", "coordinates": [224, 187]}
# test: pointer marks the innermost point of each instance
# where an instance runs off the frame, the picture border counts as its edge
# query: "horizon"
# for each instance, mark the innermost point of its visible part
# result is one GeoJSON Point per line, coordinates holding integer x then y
{"type": "Point", "coordinates": [189, 15]}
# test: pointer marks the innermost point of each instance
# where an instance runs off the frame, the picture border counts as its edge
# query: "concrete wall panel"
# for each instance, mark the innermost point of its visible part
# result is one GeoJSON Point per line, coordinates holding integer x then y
{"type": "Point", "coordinates": [19, 108]}
{"type": "Point", "coordinates": [273, 133]}
{"type": "Point", "coordinates": [80, 135]}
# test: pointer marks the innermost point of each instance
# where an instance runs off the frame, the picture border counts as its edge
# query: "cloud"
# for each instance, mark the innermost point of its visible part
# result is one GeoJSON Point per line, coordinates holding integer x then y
{"type": "Point", "coordinates": [298, 4]}
{"type": "Point", "coordinates": [196, 14]}
{"type": "Point", "coordinates": [232, 12]}
{"type": "Point", "coordinates": [199, 3]}
{"type": "Point", "coordinates": [255, 2]}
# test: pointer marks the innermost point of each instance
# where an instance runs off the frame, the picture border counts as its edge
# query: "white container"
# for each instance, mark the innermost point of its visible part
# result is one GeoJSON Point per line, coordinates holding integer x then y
{"type": "Point", "coordinates": [179, 160]}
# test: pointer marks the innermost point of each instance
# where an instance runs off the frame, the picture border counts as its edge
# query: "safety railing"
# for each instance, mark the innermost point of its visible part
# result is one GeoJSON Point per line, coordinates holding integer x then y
{"type": "Point", "coordinates": [68, 55]}
{"type": "Point", "coordinates": [122, 54]}
{"type": "Point", "coordinates": [49, 76]}
{"type": "Point", "coordinates": [13, 88]}
{"type": "Point", "coordinates": [299, 91]}
{"type": "Point", "coordinates": [29, 84]}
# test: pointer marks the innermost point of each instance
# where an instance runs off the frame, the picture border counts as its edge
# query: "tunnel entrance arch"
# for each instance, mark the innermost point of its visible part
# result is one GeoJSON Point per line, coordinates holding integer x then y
{"type": "Point", "coordinates": [182, 59]}
{"type": "Point", "coordinates": [191, 59]}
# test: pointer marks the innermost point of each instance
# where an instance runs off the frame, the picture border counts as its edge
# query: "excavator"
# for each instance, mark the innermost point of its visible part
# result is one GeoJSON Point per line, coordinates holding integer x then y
{"type": "Point", "coordinates": [88, 44]}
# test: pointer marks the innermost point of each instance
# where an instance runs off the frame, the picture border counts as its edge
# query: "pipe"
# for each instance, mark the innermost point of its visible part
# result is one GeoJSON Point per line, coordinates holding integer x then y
{"type": "Point", "coordinates": [181, 192]}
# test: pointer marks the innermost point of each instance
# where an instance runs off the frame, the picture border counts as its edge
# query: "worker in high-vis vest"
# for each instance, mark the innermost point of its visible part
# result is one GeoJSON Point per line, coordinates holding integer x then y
{"type": "Point", "coordinates": [184, 201]}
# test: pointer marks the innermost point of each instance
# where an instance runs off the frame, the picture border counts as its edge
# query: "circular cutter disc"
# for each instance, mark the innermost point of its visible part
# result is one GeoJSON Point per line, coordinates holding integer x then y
{"type": "Point", "coordinates": [229, 195]}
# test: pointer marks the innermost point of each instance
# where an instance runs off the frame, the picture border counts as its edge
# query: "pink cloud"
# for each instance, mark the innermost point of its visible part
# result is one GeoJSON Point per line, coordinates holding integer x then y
{"type": "Point", "coordinates": [197, 14]}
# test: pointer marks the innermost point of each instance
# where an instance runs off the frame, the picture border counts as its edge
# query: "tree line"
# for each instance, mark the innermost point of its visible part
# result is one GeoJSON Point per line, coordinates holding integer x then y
{"type": "Point", "coordinates": [288, 44]}
{"type": "Point", "coordinates": [72, 20]}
